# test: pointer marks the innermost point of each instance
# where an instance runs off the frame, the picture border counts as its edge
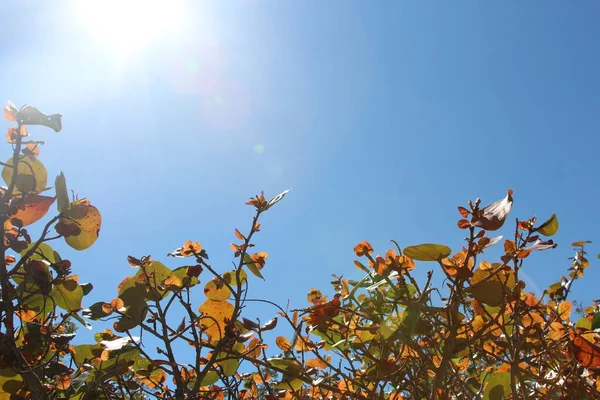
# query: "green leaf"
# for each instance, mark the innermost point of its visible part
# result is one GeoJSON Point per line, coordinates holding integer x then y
{"type": "Point", "coordinates": [81, 321]}
{"type": "Point", "coordinates": [229, 366]}
{"type": "Point", "coordinates": [250, 263]}
{"type": "Point", "coordinates": [548, 228]}
{"type": "Point", "coordinates": [286, 364]}
{"type": "Point", "coordinates": [87, 352]}
{"type": "Point", "coordinates": [584, 323]}
{"type": "Point", "coordinates": [596, 321]}
{"type": "Point", "coordinates": [43, 252]}
{"type": "Point", "coordinates": [427, 252]}
{"type": "Point", "coordinates": [10, 382]}
{"type": "Point", "coordinates": [67, 294]}
{"type": "Point", "coordinates": [31, 176]}
{"type": "Point", "coordinates": [498, 388]}
{"type": "Point", "coordinates": [210, 378]}
{"type": "Point", "coordinates": [290, 384]}
{"type": "Point", "coordinates": [62, 195]}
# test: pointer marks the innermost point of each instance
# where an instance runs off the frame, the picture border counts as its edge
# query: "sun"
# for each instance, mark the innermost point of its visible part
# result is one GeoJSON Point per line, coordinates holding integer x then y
{"type": "Point", "coordinates": [126, 28]}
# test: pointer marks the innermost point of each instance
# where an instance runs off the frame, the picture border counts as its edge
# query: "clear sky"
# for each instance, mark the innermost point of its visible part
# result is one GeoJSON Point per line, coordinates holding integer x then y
{"type": "Point", "coordinates": [381, 116]}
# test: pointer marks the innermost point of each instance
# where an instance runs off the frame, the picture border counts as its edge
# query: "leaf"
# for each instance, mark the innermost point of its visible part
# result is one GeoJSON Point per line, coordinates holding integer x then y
{"type": "Point", "coordinates": [43, 252]}
{"type": "Point", "coordinates": [548, 228]}
{"type": "Point", "coordinates": [580, 243]}
{"type": "Point", "coordinates": [564, 310]}
{"type": "Point", "coordinates": [490, 292]}
{"type": "Point", "coordinates": [215, 289]}
{"type": "Point", "coordinates": [31, 176]}
{"type": "Point", "coordinates": [276, 199]}
{"type": "Point", "coordinates": [584, 323]}
{"type": "Point", "coordinates": [30, 209]}
{"type": "Point", "coordinates": [586, 353]}
{"type": "Point", "coordinates": [62, 195]}
{"type": "Point", "coordinates": [10, 112]}
{"type": "Point", "coordinates": [596, 321]}
{"type": "Point", "coordinates": [492, 217]}
{"type": "Point", "coordinates": [67, 294]}
{"type": "Point", "coordinates": [539, 245]}
{"type": "Point", "coordinates": [427, 252]}
{"type": "Point", "coordinates": [498, 388]}
{"type": "Point", "coordinates": [80, 225]}
{"type": "Point", "coordinates": [11, 384]}
{"type": "Point", "coordinates": [251, 264]}
{"type": "Point", "coordinates": [557, 331]}
{"type": "Point", "coordinates": [270, 324]}
{"type": "Point", "coordinates": [215, 315]}
{"type": "Point", "coordinates": [32, 116]}
{"type": "Point", "coordinates": [283, 343]}
{"type": "Point", "coordinates": [85, 353]}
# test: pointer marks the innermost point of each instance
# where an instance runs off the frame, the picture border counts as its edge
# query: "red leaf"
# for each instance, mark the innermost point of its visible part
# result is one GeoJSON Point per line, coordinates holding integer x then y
{"type": "Point", "coordinates": [463, 212]}
{"type": "Point", "coordinates": [463, 224]}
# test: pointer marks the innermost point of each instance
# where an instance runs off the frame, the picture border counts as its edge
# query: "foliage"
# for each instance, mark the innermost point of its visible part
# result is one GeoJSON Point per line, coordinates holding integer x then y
{"type": "Point", "coordinates": [480, 334]}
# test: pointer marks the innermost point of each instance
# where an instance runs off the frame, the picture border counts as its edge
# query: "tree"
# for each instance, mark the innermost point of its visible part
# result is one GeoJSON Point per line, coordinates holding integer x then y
{"type": "Point", "coordinates": [387, 336]}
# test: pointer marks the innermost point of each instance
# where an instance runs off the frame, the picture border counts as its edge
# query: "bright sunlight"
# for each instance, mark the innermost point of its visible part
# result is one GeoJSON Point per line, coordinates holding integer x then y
{"type": "Point", "coordinates": [128, 28]}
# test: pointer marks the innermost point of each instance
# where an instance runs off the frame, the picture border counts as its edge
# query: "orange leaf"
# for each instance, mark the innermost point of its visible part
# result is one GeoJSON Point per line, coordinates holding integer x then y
{"type": "Point", "coordinates": [363, 248]}
{"type": "Point", "coordinates": [63, 382]}
{"type": "Point", "coordinates": [564, 310]}
{"type": "Point", "coordinates": [586, 353]}
{"type": "Point", "coordinates": [283, 343]}
{"type": "Point", "coordinates": [30, 209]}
{"type": "Point", "coordinates": [10, 112]}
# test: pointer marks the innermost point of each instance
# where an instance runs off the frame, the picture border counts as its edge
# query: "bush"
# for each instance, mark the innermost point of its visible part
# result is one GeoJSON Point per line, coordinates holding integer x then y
{"type": "Point", "coordinates": [387, 336]}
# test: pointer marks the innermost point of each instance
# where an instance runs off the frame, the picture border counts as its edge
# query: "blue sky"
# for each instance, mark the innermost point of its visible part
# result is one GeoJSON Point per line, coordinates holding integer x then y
{"type": "Point", "coordinates": [382, 118]}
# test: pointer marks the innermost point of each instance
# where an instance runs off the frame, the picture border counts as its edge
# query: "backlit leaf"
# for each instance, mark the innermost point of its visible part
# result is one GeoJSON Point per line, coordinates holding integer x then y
{"type": "Point", "coordinates": [216, 289]}
{"type": "Point", "coordinates": [62, 195]}
{"type": "Point", "coordinates": [586, 353]}
{"type": "Point", "coordinates": [283, 343]}
{"type": "Point", "coordinates": [215, 315]}
{"type": "Point", "coordinates": [30, 209]}
{"type": "Point", "coordinates": [67, 294]}
{"type": "Point", "coordinates": [252, 265]}
{"type": "Point", "coordinates": [83, 218]}
{"type": "Point", "coordinates": [31, 176]}
{"type": "Point", "coordinates": [564, 310]}
{"type": "Point", "coordinates": [427, 252]}
{"type": "Point", "coordinates": [498, 388]}
{"type": "Point", "coordinates": [550, 227]}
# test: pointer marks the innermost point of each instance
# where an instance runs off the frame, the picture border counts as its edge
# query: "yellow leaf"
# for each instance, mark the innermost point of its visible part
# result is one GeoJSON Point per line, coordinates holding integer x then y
{"type": "Point", "coordinates": [215, 316]}
{"type": "Point", "coordinates": [216, 289]}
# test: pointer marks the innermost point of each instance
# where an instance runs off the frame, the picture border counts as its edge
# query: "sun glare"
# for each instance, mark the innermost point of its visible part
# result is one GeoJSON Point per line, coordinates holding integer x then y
{"type": "Point", "coordinates": [130, 27]}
